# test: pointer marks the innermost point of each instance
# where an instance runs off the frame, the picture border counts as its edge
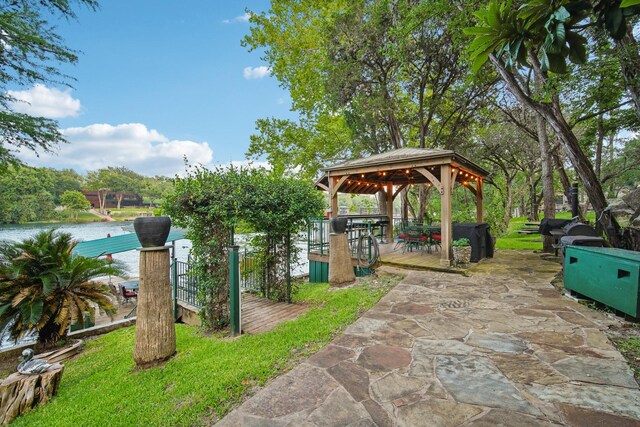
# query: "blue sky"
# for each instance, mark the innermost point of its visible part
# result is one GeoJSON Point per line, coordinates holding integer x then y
{"type": "Point", "coordinates": [158, 80]}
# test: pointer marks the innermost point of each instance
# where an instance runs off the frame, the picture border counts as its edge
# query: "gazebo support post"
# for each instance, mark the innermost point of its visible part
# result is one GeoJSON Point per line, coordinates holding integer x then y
{"type": "Point", "coordinates": [333, 196]}
{"type": "Point", "coordinates": [445, 215]}
{"type": "Point", "coordinates": [390, 212]}
{"type": "Point", "coordinates": [479, 208]}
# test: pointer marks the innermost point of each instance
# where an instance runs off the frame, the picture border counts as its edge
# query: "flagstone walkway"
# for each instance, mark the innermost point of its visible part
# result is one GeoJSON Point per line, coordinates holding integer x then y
{"type": "Point", "coordinates": [502, 347]}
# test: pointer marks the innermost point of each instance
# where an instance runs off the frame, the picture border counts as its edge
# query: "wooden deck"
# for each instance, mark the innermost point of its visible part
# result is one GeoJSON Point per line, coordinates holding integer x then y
{"type": "Point", "coordinates": [261, 315]}
{"type": "Point", "coordinates": [415, 259]}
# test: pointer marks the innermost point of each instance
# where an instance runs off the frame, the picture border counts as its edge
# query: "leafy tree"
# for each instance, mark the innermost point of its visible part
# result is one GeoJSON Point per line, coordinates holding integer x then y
{"type": "Point", "coordinates": [24, 196]}
{"type": "Point", "coordinates": [365, 77]}
{"type": "Point", "coordinates": [62, 181]}
{"type": "Point", "coordinates": [155, 189]}
{"type": "Point", "coordinates": [554, 31]}
{"type": "Point", "coordinates": [278, 209]}
{"type": "Point", "coordinates": [31, 52]}
{"type": "Point", "coordinates": [209, 203]}
{"type": "Point", "coordinates": [499, 23]}
{"type": "Point", "coordinates": [43, 287]}
{"type": "Point", "coordinates": [122, 180]}
{"type": "Point", "coordinates": [98, 181]}
{"type": "Point", "coordinates": [75, 201]}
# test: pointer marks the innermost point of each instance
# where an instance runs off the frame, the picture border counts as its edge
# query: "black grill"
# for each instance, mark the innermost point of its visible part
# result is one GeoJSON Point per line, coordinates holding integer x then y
{"type": "Point", "coordinates": [579, 229]}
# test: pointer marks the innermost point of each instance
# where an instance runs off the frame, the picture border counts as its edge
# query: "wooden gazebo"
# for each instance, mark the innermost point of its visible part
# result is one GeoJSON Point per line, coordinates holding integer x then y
{"type": "Point", "coordinates": [394, 170]}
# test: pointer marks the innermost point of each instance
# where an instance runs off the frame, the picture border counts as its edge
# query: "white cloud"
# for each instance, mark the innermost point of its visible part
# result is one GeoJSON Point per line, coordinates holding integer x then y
{"type": "Point", "coordinates": [242, 18]}
{"type": "Point", "coordinates": [252, 73]}
{"type": "Point", "coordinates": [45, 102]}
{"type": "Point", "coordinates": [132, 145]}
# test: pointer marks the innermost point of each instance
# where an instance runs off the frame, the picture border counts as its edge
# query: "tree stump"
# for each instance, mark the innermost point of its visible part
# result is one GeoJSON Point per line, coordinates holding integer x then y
{"type": "Point", "coordinates": [340, 268]}
{"type": "Point", "coordinates": [155, 329]}
{"type": "Point", "coordinates": [20, 393]}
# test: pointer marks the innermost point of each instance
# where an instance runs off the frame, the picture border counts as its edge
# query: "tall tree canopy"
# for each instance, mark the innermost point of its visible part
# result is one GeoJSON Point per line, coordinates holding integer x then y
{"type": "Point", "coordinates": [31, 52]}
{"type": "Point", "coordinates": [365, 76]}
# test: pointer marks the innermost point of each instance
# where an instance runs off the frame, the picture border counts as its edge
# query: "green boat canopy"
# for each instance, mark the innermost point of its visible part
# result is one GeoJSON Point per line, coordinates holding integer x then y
{"type": "Point", "coordinates": [117, 244]}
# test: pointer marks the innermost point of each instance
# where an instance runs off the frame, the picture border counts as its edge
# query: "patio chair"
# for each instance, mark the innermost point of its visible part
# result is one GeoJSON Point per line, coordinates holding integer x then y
{"type": "Point", "coordinates": [435, 239]}
{"type": "Point", "coordinates": [128, 295]}
{"type": "Point", "coordinates": [402, 235]}
{"type": "Point", "coordinates": [414, 239]}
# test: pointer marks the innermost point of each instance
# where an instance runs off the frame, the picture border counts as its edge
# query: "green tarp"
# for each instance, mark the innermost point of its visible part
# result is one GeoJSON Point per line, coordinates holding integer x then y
{"type": "Point", "coordinates": [116, 244]}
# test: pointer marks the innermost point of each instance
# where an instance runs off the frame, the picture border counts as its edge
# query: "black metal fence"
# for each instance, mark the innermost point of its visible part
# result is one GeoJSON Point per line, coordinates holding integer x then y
{"type": "Point", "coordinates": [185, 284]}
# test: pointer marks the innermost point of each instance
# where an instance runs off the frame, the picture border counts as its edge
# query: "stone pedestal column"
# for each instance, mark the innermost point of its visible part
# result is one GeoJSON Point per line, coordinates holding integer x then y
{"type": "Point", "coordinates": [340, 268]}
{"type": "Point", "coordinates": [155, 329]}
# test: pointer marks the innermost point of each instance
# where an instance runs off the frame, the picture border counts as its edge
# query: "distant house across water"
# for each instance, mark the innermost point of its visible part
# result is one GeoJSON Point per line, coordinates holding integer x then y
{"type": "Point", "coordinates": [129, 199]}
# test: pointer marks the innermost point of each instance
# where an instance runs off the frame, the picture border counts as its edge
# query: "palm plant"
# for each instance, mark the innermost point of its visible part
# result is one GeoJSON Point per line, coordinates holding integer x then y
{"type": "Point", "coordinates": [43, 287]}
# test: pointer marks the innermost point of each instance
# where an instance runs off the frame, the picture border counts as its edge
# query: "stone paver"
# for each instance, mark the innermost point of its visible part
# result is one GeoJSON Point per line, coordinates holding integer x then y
{"type": "Point", "coordinates": [499, 348]}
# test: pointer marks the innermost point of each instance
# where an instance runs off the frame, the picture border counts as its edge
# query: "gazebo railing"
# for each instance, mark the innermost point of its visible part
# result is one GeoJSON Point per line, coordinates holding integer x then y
{"type": "Point", "coordinates": [318, 236]}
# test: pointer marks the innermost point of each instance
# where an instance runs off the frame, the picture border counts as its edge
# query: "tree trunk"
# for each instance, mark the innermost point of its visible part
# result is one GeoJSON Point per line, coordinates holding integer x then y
{"type": "Point", "coordinates": [102, 199]}
{"type": "Point", "coordinates": [564, 178]}
{"type": "Point", "coordinates": [119, 197]}
{"type": "Point", "coordinates": [20, 393]}
{"type": "Point", "coordinates": [422, 198]}
{"type": "Point", "coordinates": [548, 191]}
{"type": "Point", "coordinates": [155, 329]}
{"type": "Point", "coordinates": [581, 163]}
{"type": "Point", "coordinates": [627, 49]}
{"type": "Point", "coordinates": [533, 214]}
{"type": "Point", "coordinates": [599, 143]}
{"type": "Point", "coordinates": [382, 201]}
{"type": "Point", "coordinates": [405, 205]}
{"type": "Point", "coordinates": [508, 202]}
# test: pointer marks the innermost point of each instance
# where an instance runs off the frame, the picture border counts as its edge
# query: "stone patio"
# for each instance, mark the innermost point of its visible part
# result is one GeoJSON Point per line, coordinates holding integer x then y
{"type": "Point", "coordinates": [501, 347]}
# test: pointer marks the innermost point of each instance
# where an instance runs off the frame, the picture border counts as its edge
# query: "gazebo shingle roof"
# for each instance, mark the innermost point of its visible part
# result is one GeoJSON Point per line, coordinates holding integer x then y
{"type": "Point", "coordinates": [396, 167]}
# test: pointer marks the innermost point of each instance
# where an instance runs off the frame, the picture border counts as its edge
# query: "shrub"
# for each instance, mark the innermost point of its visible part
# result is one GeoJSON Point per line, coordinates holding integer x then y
{"type": "Point", "coordinates": [43, 287]}
{"type": "Point", "coordinates": [461, 242]}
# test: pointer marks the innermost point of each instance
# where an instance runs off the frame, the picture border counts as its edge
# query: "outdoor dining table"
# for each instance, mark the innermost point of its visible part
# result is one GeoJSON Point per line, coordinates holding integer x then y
{"type": "Point", "coordinates": [419, 236]}
{"type": "Point", "coordinates": [131, 284]}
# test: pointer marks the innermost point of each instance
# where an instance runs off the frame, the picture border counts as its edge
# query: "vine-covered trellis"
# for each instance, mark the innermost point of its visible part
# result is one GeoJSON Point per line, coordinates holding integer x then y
{"type": "Point", "coordinates": [209, 203]}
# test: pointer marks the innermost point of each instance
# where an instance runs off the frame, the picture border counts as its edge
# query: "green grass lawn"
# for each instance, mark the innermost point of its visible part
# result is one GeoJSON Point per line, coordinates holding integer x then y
{"type": "Point", "coordinates": [208, 375]}
{"type": "Point", "coordinates": [516, 241]}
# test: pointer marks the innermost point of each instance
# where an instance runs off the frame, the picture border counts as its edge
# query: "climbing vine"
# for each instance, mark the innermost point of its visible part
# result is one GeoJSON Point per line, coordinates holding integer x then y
{"type": "Point", "coordinates": [209, 203]}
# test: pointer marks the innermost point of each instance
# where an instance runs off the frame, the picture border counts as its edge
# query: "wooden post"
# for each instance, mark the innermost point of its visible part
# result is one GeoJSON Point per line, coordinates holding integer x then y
{"type": "Point", "coordinates": [340, 268]}
{"type": "Point", "coordinates": [390, 212]}
{"type": "Point", "coordinates": [445, 215]}
{"type": "Point", "coordinates": [479, 208]}
{"type": "Point", "coordinates": [333, 197]}
{"type": "Point", "coordinates": [155, 329]}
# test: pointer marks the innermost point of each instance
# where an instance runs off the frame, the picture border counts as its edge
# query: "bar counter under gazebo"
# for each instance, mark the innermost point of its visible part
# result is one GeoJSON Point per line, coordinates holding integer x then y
{"type": "Point", "coordinates": [395, 170]}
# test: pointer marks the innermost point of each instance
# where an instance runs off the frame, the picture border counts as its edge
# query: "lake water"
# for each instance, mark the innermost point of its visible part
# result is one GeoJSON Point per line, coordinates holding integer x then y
{"type": "Point", "coordinates": [91, 231]}
{"type": "Point", "coordinates": [99, 230]}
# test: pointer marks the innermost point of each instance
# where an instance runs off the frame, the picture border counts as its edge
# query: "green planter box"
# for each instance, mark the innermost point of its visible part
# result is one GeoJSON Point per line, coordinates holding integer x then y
{"type": "Point", "coordinates": [607, 275]}
{"type": "Point", "coordinates": [319, 272]}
